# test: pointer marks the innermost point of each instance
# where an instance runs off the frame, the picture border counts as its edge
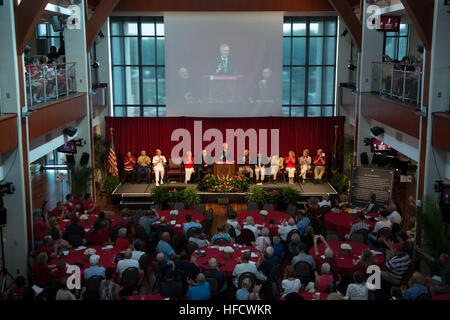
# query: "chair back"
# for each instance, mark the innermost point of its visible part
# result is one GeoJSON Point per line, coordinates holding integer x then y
{"type": "Point", "coordinates": [179, 206]}
{"type": "Point", "coordinates": [130, 277]}
{"type": "Point", "coordinates": [190, 233]}
{"type": "Point", "coordinates": [291, 210]}
{"type": "Point", "coordinates": [213, 286]}
{"type": "Point", "coordinates": [304, 272]}
{"type": "Point", "coordinates": [252, 206]}
{"type": "Point", "coordinates": [208, 221]}
{"type": "Point", "coordinates": [275, 272]}
{"type": "Point", "coordinates": [249, 275]}
{"type": "Point", "coordinates": [384, 232]}
{"type": "Point", "coordinates": [201, 208]}
{"type": "Point", "coordinates": [75, 240]}
{"type": "Point", "coordinates": [325, 209]}
{"type": "Point", "coordinates": [290, 234]}
{"type": "Point", "coordinates": [229, 212]}
{"type": "Point", "coordinates": [230, 230]}
{"type": "Point", "coordinates": [220, 241]}
{"type": "Point", "coordinates": [92, 287]}
{"type": "Point", "coordinates": [247, 237]}
{"type": "Point", "coordinates": [332, 236]}
{"type": "Point", "coordinates": [281, 163]}
{"type": "Point", "coordinates": [140, 232]}
{"type": "Point", "coordinates": [144, 261]}
{"type": "Point", "coordinates": [136, 217]}
{"type": "Point", "coordinates": [359, 236]}
{"type": "Point", "coordinates": [191, 247]}
{"type": "Point", "coordinates": [268, 207]}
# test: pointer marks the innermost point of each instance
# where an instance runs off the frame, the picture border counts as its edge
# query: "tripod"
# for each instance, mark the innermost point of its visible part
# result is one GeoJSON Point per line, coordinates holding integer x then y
{"type": "Point", "coordinates": [4, 273]}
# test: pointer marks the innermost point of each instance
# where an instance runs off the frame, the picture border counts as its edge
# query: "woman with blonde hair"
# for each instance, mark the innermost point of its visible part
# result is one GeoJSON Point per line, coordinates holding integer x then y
{"type": "Point", "coordinates": [290, 166]}
{"type": "Point", "coordinates": [305, 164]}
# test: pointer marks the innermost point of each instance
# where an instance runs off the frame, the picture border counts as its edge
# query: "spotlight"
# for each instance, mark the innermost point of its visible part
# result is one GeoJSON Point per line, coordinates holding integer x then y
{"type": "Point", "coordinates": [376, 131]}
{"type": "Point", "coordinates": [96, 65]}
{"type": "Point", "coordinates": [70, 131]}
{"type": "Point", "coordinates": [351, 66]}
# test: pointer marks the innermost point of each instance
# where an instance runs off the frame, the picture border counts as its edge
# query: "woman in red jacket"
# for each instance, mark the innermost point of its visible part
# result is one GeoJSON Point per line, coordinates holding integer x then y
{"type": "Point", "coordinates": [188, 166]}
{"type": "Point", "coordinates": [290, 166]}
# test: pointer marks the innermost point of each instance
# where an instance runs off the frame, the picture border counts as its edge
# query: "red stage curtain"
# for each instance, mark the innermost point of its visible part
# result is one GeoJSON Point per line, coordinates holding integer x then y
{"type": "Point", "coordinates": [296, 133]}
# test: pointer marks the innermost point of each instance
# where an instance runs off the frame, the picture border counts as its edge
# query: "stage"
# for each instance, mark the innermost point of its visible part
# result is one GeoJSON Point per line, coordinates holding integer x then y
{"type": "Point", "coordinates": [137, 195]}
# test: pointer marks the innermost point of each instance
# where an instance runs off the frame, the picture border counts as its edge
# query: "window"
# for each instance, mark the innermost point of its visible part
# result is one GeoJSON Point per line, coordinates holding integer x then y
{"type": "Point", "coordinates": [396, 43]}
{"type": "Point", "coordinates": [138, 66]}
{"type": "Point", "coordinates": [45, 31]}
{"type": "Point", "coordinates": [309, 64]}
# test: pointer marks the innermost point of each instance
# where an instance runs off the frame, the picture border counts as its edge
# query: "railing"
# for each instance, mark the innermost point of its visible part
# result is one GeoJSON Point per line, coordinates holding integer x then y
{"type": "Point", "coordinates": [393, 80]}
{"type": "Point", "coordinates": [49, 82]}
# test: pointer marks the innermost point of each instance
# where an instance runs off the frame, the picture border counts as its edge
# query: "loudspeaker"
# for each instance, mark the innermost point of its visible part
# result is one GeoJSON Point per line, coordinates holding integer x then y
{"type": "Point", "coordinates": [70, 131]}
{"type": "Point", "coordinates": [84, 159]}
{"type": "Point", "coordinates": [376, 131]}
{"type": "Point", "coordinates": [364, 158]}
{"type": "Point", "coordinates": [70, 159]}
{"type": "Point", "coordinates": [2, 216]}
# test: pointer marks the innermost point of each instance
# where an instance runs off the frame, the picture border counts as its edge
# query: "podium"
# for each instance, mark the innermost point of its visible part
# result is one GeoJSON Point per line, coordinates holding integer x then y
{"type": "Point", "coordinates": [223, 88]}
{"type": "Point", "coordinates": [224, 168]}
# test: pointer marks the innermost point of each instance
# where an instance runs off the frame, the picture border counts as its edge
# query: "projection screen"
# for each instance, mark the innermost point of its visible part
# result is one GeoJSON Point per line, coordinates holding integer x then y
{"type": "Point", "coordinates": [223, 64]}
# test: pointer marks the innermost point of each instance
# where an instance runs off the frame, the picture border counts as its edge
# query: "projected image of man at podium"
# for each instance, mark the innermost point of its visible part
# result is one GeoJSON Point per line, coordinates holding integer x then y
{"type": "Point", "coordinates": [223, 64]}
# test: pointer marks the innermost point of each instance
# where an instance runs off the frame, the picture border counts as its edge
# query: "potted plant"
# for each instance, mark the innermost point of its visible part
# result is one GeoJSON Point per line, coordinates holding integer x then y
{"type": "Point", "coordinates": [160, 196]}
{"type": "Point", "coordinates": [340, 182]}
{"type": "Point", "coordinates": [289, 195]}
{"type": "Point", "coordinates": [257, 194]}
{"type": "Point", "coordinates": [174, 195]}
{"type": "Point", "coordinates": [110, 183]}
{"type": "Point", "coordinates": [191, 197]}
{"type": "Point", "coordinates": [81, 177]}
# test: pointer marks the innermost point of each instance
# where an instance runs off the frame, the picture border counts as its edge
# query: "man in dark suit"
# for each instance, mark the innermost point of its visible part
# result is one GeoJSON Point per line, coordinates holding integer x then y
{"type": "Point", "coordinates": [225, 154]}
{"type": "Point", "coordinates": [260, 162]}
{"type": "Point", "coordinates": [205, 167]}
{"type": "Point", "coordinates": [223, 64]}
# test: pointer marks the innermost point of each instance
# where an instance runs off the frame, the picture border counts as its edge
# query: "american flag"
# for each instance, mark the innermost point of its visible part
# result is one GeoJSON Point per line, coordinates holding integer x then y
{"type": "Point", "coordinates": [112, 160]}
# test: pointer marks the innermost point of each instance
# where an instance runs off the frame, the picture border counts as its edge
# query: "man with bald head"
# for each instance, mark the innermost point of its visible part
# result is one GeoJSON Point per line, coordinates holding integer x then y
{"type": "Point", "coordinates": [285, 228]}
{"type": "Point", "coordinates": [215, 273]}
{"type": "Point", "coordinates": [127, 262]}
{"type": "Point", "coordinates": [270, 260]}
{"type": "Point", "coordinates": [198, 289]}
{"type": "Point", "coordinates": [165, 247]}
{"type": "Point", "coordinates": [223, 64]}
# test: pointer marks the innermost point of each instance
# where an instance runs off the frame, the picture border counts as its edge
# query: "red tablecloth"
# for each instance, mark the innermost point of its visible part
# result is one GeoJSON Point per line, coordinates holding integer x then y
{"type": "Point", "coordinates": [342, 223]}
{"type": "Point", "coordinates": [277, 216]}
{"type": "Point", "coordinates": [87, 227]}
{"type": "Point", "coordinates": [441, 297]}
{"type": "Point", "coordinates": [180, 220]}
{"type": "Point", "coordinates": [146, 297]}
{"type": "Point", "coordinates": [345, 263]}
{"type": "Point", "coordinates": [107, 257]}
{"type": "Point", "coordinates": [225, 265]}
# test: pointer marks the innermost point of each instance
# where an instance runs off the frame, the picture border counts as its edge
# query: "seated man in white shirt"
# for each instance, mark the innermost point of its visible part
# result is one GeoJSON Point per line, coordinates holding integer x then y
{"type": "Point", "coordinates": [394, 216]}
{"type": "Point", "coordinates": [159, 162]}
{"type": "Point", "coordinates": [126, 263]}
{"type": "Point", "coordinates": [244, 266]}
{"type": "Point", "coordinates": [251, 226]}
{"type": "Point", "coordinates": [325, 201]}
{"type": "Point", "coordinates": [383, 223]}
{"type": "Point", "coordinates": [285, 228]}
{"type": "Point", "coordinates": [137, 253]}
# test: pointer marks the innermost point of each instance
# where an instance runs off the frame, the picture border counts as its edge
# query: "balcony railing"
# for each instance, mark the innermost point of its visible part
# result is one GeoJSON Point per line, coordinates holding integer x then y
{"type": "Point", "coordinates": [50, 82]}
{"type": "Point", "coordinates": [393, 80]}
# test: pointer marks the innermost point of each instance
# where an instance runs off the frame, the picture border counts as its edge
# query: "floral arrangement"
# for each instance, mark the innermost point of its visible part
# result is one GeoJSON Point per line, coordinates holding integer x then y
{"type": "Point", "coordinates": [237, 183]}
{"type": "Point", "coordinates": [89, 251]}
{"type": "Point", "coordinates": [228, 249]}
{"type": "Point", "coordinates": [175, 195]}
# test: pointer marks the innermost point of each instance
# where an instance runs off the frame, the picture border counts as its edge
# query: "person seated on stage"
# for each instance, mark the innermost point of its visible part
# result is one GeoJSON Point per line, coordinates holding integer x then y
{"type": "Point", "coordinates": [290, 166]}
{"type": "Point", "coordinates": [305, 164]}
{"type": "Point", "coordinates": [260, 167]}
{"type": "Point", "coordinates": [60, 211]}
{"type": "Point", "coordinates": [246, 167]}
{"type": "Point", "coordinates": [274, 166]}
{"type": "Point", "coordinates": [90, 206]}
{"type": "Point", "coordinates": [205, 168]}
{"type": "Point", "coordinates": [144, 163]}
{"type": "Point", "coordinates": [159, 161]}
{"type": "Point", "coordinates": [129, 161]}
{"type": "Point", "coordinates": [319, 163]}
{"type": "Point", "coordinates": [188, 166]}
{"type": "Point", "coordinates": [225, 154]}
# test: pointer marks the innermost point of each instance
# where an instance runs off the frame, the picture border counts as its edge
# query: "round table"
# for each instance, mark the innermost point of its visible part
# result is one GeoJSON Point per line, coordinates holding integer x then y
{"type": "Point", "coordinates": [146, 297]}
{"type": "Point", "coordinates": [441, 297]}
{"type": "Point", "coordinates": [277, 216]}
{"type": "Point", "coordinates": [345, 263]}
{"type": "Point", "coordinates": [87, 227]}
{"type": "Point", "coordinates": [177, 225]}
{"type": "Point", "coordinates": [225, 265]}
{"type": "Point", "coordinates": [342, 223]}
